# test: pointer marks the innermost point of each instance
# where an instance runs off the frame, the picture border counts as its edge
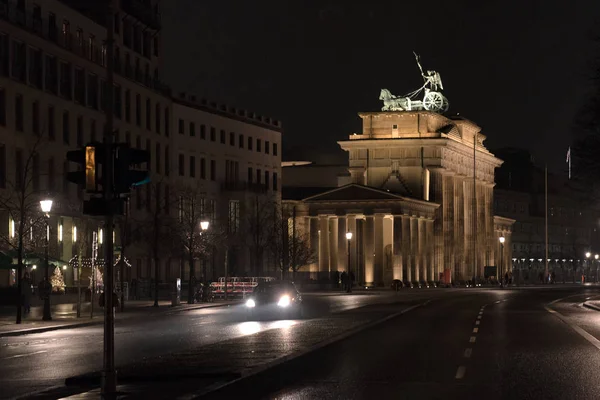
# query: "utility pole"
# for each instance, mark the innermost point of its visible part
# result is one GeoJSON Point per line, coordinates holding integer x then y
{"type": "Point", "coordinates": [94, 257]}
{"type": "Point", "coordinates": [79, 254]}
{"type": "Point", "coordinates": [546, 222]}
{"type": "Point", "coordinates": [124, 239]}
{"type": "Point", "coordinates": [109, 381]}
{"type": "Point", "coordinates": [474, 215]}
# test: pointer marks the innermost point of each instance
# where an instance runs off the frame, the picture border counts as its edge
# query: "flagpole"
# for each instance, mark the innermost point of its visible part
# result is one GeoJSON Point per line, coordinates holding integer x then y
{"type": "Point", "coordinates": [546, 201]}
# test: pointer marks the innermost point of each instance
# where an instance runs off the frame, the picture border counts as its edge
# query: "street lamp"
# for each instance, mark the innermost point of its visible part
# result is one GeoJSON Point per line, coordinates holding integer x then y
{"type": "Point", "coordinates": [349, 238]}
{"type": "Point", "coordinates": [46, 206]}
{"type": "Point", "coordinates": [501, 239]}
{"type": "Point", "coordinates": [587, 258]}
{"type": "Point", "coordinates": [204, 226]}
{"type": "Point", "coordinates": [596, 258]}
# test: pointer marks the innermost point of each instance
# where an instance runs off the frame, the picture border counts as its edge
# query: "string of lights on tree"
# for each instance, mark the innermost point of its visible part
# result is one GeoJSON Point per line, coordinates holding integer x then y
{"type": "Point", "coordinates": [88, 262]}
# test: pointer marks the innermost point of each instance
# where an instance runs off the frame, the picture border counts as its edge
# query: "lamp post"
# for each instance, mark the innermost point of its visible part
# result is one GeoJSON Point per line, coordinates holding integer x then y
{"type": "Point", "coordinates": [501, 239]}
{"type": "Point", "coordinates": [204, 226]}
{"type": "Point", "coordinates": [587, 259]}
{"type": "Point", "coordinates": [46, 206]}
{"type": "Point", "coordinates": [349, 238]}
{"type": "Point", "coordinates": [596, 258]}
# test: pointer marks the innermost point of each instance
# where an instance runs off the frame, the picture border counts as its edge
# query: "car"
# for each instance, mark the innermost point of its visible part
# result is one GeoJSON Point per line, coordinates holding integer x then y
{"type": "Point", "coordinates": [275, 299]}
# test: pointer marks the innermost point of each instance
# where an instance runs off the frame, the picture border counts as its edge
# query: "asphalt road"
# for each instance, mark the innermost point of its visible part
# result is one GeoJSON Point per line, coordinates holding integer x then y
{"type": "Point", "coordinates": [36, 362]}
{"type": "Point", "coordinates": [530, 343]}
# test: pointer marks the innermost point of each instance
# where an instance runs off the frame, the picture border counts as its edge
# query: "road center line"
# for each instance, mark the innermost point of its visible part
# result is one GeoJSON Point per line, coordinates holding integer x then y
{"type": "Point", "coordinates": [479, 317]}
{"type": "Point", "coordinates": [595, 342]}
{"type": "Point", "coordinates": [472, 339]}
{"type": "Point", "coordinates": [460, 372]}
{"type": "Point", "coordinates": [477, 322]}
{"type": "Point", "coordinates": [24, 355]}
{"type": "Point", "coordinates": [468, 352]}
{"type": "Point", "coordinates": [475, 330]}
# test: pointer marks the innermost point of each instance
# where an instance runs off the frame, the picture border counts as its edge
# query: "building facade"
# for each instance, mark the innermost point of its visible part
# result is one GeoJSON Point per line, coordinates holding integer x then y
{"type": "Point", "coordinates": [52, 99]}
{"type": "Point", "coordinates": [427, 217]}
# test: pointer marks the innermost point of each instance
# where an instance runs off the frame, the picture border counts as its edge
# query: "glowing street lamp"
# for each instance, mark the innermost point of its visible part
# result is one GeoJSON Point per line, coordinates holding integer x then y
{"type": "Point", "coordinates": [501, 239]}
{"type": "Point", "coordinates": [204, 225]}
{"type": "Point", "coordinates": [349, 283]}
{"type": "Point", "coordinates": [46, 206]}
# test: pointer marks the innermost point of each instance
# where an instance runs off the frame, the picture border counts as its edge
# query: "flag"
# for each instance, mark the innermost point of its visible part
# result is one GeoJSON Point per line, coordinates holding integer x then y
{"type": "Point", "coordinates": [569, 161]}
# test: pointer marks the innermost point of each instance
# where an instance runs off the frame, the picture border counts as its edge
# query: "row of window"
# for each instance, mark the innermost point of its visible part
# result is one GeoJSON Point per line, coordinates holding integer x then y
{"type": "Point", "coordinates": [268, 147]}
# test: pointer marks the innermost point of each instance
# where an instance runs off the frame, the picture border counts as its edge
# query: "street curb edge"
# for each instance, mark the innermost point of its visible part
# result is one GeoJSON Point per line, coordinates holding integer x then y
{"type": "Point", "coordinates": [591, 306]}
{"type": "Point", "coordinates": [48, 329]}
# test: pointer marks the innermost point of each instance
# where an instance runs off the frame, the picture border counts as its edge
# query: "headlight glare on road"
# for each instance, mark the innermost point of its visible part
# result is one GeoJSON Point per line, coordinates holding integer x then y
{"type": "Point", "coordinates": [250, 303]}
{"type": "Point", "coordinates": [284, 301]}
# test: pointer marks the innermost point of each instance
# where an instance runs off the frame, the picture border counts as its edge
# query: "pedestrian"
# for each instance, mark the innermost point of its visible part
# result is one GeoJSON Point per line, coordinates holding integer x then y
{"type": "Point", "coordinates": [26, 292]}
{"type": "Point", "coordinates": [343, 279]}
{"type": "Point", "coordinates": [350, 281]}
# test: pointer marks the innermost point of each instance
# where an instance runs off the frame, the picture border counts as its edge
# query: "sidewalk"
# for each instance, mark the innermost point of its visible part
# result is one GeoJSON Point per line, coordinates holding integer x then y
{"type": "Point", "coordinates": [33, 323]}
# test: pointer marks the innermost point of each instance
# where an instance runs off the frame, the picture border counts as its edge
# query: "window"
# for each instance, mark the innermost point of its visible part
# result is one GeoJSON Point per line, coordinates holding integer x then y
{"type": "Point", "coordinates": [117, 23]}
{"type": "Point", "coordinates": [157, 116]}
{"type": "Point", "coordinates": [148, 114]}
{"type": "Point", "coordinates": [231, 138]}
{"type": "Point", "coordinates": [250, 174]}
{"type": "Point", "coordinates": [258, 145]}
{"type": "Point", "coordinates": [267, 146]}
{"type": "Point", "coordinates": [51, 187]}
{"type": "Point", "coordinates": [52, 32]}
{"type": "Point", "coordinates": [156, 46]}
{"type": "Point", "coordinates": [66, 128]}
{"type": "Point", "coordinates": [234, 216]}
{"type": "Point", "coordinates": [181, 126]}
{"type": "Point", "coordinates": [138, 142]}
{"type": "Point", "coordinates": [213, 170]}
{"type": "Point", "coordinates": [118, 102]}
{"type": "Point", "coordinates": [35, 118]}
{"type": "Point", "coordinates": [222, 136]}
{"type": "Point", "coordinates": [4, 55]}
{"type": "Point", "coordinates": [203, 168]}
{"type": "Point", "coordinates": [2, 166]}
{"type": "Point", "coordinates": [192, 166]}
{"type": "Point", "coordinates": [127, 32]}
{"type": "Point", "coordinates": [2, 107]}
{"type": "Point", "coordinates": [138, 110]}
{"type": "Point", "coordinates": [103, 94]}
{"type": "Point", "coordinates": [192, 129]}
{"type": "Point", "coordinates": [92, 93]}
{"type": "Point", "coordinates": [51, 123]}
{"type": "Point", "coordinates": [66, 86]}
{"type": "Point", "coordinates": [127, 105]}
{"type": "Point", "coordinates": [203, 132]}
{"type": "Point", "coordinates": [213, 134]}
{"type": "Point", "coordinates": [19, 113]}
{"type": "Point", "coordinates": [128, 70]}
{"type": "Point", "coordinates": [92, 130]}
{"type": "Point", "coordinates": [157, 158]}
{"type": "Point", "coordinates": [167, 122]}
{"type": "Point", "coordinates": [128, 138]}
{"type": "Point", "coordinates": [79, 131]}
{"type": "Point", "coordinates": [35, 67]}
{"type": "Point", "coordinates": [79, 86]}
{"type": "Point", "coordinates": [258, 175]}
{"type": "Point", "coordinates": [275, 182]}
{"type": "Point", "coordinates": [181, 165]}
{"type": "Point", "coordinates": [51, 74]}
{"type": "Point", "coordinates": [250, 141]}
{"type": "Point", "coordinates": [35, 174]}
{"type": "Point", "coordinates": [146, 45]}
{"type": "Point", "coordinates": [19, 63]}
{"type": "Point", "coordinates": [241, 141]}
{"type": "Point", "coordinates": [267, 179]}
{"type": "Point", "coordinates": [19, 169]}
{"type": "Point", "coordinates": [167, 161]}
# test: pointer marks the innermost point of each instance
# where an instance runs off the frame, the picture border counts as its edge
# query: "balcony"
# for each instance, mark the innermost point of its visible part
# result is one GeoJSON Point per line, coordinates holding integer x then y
{"type": "Point", "coordinates": [145, 13]}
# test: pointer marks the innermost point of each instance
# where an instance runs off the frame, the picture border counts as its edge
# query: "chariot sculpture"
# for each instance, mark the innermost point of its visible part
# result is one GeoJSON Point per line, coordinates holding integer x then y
{"type": "Point", "coordinates": [433, 99]}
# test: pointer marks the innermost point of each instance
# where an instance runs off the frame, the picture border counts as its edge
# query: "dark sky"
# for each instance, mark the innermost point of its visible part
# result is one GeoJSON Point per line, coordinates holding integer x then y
{"type": "Point", "coordinates": [519, 69]}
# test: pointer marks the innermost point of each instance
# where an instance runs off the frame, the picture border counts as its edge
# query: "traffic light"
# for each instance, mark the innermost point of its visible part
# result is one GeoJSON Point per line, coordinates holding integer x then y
{"type": "Point", "coordinates": [125, 176]}
{"type": "Point", "coordinates": [87, 159]}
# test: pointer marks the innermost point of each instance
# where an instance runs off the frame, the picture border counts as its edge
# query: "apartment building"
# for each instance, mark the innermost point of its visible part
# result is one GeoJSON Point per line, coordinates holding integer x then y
{"type": "Point", "coordinates": [52, 95]}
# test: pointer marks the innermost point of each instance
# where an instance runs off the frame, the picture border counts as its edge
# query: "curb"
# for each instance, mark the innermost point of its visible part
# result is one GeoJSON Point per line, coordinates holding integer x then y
{"type": "Point", "coordinates": [591, 306]}
{"type": "Point", "coordinates": [49, 328]}
{"type": "Point", "coordinates": [260, 369]}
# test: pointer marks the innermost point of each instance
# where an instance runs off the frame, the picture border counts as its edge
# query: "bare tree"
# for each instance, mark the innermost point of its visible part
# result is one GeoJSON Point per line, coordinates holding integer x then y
{"type": "Point", "coordinates": [259, 228]}
{"type": "Point", "coordinates": [155, 229]}
{"type": "Point", "coordinates": [291, 246]}
{"type": "Point", "coordinates": [20, 201]}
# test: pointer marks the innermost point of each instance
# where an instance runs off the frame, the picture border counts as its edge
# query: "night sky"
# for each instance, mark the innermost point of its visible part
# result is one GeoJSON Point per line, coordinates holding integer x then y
{"type": "Point", "coordinates": [519, 69]}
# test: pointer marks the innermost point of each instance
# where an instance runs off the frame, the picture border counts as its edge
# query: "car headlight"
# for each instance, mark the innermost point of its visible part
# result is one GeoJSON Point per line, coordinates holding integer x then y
{"type": "Point", "coordinates": [250, 303]}
{"type": "Point", "coordinates": [284, 301]}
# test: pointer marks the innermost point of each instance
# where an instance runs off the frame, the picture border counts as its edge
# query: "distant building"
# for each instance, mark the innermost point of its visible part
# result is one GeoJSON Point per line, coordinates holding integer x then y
{"type": "Point", "coordinates": [573, 224]}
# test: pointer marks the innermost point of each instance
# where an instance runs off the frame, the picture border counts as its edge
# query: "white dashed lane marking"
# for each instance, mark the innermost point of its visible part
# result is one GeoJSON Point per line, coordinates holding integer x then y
{"type": "Point", "coordinates": [472, 339]}
{"type": "Point", "coordinates": [475, 330]}
{"type": "Point", "coordinates": [460, 372]}
{"type": "Point", "coordinates": [468, 352]}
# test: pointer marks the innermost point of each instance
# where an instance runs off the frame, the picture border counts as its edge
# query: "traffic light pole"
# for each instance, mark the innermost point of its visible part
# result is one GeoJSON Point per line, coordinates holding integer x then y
{"type": "Point", "coordinates": [109, 381]}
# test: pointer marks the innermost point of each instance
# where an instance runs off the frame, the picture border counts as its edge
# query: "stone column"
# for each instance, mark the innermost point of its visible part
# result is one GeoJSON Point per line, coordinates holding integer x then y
{"type": "Point", "coordinates": [406, 249]}
{"type": "Point", "coordinates": [414, 249]}
{"type": "Point", "coordinates": [489, 219]}
{"type": "Point", "coordinates": [480, 234]}
{"type": "Point", "coordinates": [323, 246]}
{"type": "Point", "coordinates": [459, 228]}
{"type": "Point", "coordinates": [448, 215]}
{"type": "Point", "coordinates": [433, 270]}
{"type": "Point", "coordinates": [351, 227]}
{"type": "Point", "coordinates": [378, 251]}
{"type": "Point", "coordinates": [342, 245]}
{"type": "Point", "coordinates": [333, 245]}
{"type": "Point", "coordinates": [436, 195]}
{"type": "Point", "coordinates": [313, 224]}
{"type": "Point", "coordinates": [398, 238]}
{"type": "Point", "coordinates": [369, 248]}
{"type": "Point", "coordinates": [468, 228]}
{"type": "Point", "coordinates": [422, 254]}
{"type": "Point", "coordinates": [388, 250]}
